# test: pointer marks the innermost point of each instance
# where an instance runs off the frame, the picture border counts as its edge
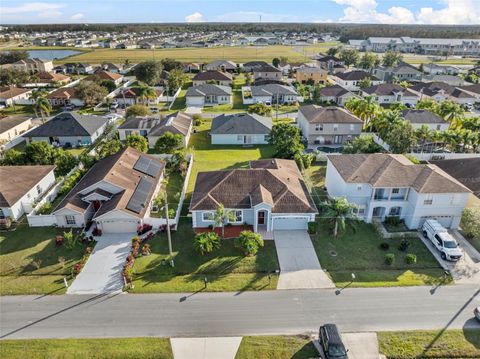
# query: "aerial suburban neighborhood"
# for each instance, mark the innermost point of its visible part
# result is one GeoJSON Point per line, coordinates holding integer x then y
{"type": "Point", "coordinates": [250, 184]}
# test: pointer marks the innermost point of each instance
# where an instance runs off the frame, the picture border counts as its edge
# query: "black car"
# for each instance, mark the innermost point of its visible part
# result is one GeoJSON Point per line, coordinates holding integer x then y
{"type": "Point", "coordinates": [331, 342]}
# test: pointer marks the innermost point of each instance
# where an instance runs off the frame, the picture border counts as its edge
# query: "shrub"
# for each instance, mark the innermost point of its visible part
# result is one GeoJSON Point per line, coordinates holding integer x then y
{"type": "Point", "coordinates": [260, 109]}
{"type": "Point", "coordinates": [206, 242]}
{"type": "Point", "coordinates": [393, 220]}
{"type": "Point", "coordinates": [70, 182]}
{"type": "Point", "coordinates": [70, 239]}
{"type": "Point", "coordinates": [471, 222]}
{"type": "Point", "coordinates": [5, 223]}
{"type": "Point", "coordinates": [197, 120]}
{"type": "Point", "coordinates": [249, 242]}
{"type": "Point", "coordinates": [411, 258]}
{"type": "Point", "coordinates": [384, 246]}
{"type": "Point", "coordinates": [404, 244]}
{"type": "Point", "coordinates": [312, 227]}
{"type": "Point", "coordinates": [389, 258]}
{"type": "Point", "coordinates": [146, 250]}
{"type": "Point", "coordinates": [46, 208]}
{"type": "Point", "coordinates": [128, 273]}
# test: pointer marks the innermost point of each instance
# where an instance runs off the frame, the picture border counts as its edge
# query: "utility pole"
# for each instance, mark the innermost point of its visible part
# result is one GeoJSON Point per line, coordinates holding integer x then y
{"type": "Point", "coordinates": [168, 229]}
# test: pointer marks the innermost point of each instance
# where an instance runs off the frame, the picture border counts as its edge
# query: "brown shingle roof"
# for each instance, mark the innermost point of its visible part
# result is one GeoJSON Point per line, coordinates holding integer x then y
{"type": "Point", "coordinates": [275, 181]}
{"type": "Point", "coordinates": [63, 92]}
{"type": "Point", "coordinates": [103, 75]}
{"type": "Point", "coordinates": [118, 170]}
{"type": "Point", "coordinates": [52, 77]}
{"type": "Point", "coordinates": [330, 114]}
{"type": "Point", "coordinates": [9, 122]}
{"type": "Point", "coordinates": [465, 170]}
{"type": "Point", "coordinates": [16, 181]}
{"type": "Point", "coordinates": [388, 170]}
{"type": "Point", "coordinates": [12, 91]}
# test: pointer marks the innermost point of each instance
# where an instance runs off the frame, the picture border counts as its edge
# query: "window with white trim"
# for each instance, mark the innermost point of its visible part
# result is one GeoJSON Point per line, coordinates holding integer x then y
{"type": "Point", "coordinates": [39, 189]}
{"type": "Point", "coordinates": [208, 216]}
{"type": "Point", "coordinates": [335, 127]}
{"type": "Point", "coordinates": [318, 127]}
{"type": "Point", "coordinates": [70, 219]}
{"type": "Point", "coordinates": [359, 187]}
{"type": "Point", "coordinates": [237, 216]}
{"type": "Point", "coordinates": [352, 127]}
{"type": "Point", "coordinates": [395, 190]}
{"type": "Point", "coordinates": [239, 137]}
{"type": "Point", "coordinates": [428, 200]}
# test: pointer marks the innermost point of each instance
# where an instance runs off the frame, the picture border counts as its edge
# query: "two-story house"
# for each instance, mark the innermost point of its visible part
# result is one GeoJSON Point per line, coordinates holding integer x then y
{"type": "Point", "coordinates": [315, 75]}
{"type": "Point", "coordinates": [419, 118]}
{"type": "Point", "coordinates": [401, 72]}
{"type": "Point", "coordinates": [267, 72]}
{"type": "Point", "coordinates": [351, 80]}
{"type": "Point", "coordinates": [328, 125]}
{"type": "Point", "coordinates": [382, 185]}
{"type": "Point", "coordinates": [331, 63]}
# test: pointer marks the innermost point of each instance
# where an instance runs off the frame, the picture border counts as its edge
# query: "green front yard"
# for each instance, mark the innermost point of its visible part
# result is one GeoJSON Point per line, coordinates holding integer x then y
{"type": "Point", "coordinates": [107, 348]}
{"type": "Point", "coordinates": [430, 344]}
{"type": "Point", "coordinates": [277, 347]}
{"type": "Point", "coordinates": [31, 263]}
{"type": "Point", "coordinates": [226, 269]}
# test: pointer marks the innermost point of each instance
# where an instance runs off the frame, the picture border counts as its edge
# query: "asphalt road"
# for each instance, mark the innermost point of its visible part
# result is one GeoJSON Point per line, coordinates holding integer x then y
{"type": "Point", "coordinates": [232, 314]}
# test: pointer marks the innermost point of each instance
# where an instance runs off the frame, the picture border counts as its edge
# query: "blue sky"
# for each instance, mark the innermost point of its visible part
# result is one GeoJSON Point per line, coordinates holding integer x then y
{"type": "Point", "coordinates": [371, 11]}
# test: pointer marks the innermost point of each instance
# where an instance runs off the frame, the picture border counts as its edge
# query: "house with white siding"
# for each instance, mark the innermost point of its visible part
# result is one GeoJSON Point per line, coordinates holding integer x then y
{"type": "Point", "coordinates": [271, 195]}
{"type": "Point", "coordinates": [419, 118]}
{"type": "Point", "coordinates": [382, 185]}
{"type": "Point", "coordinates": [350, 80]}
{"type": "Point", "coordinates": [208, 95]}
{"type": "Point", "coordinates": [116, 194]}
{"type": "Point", "coordinates": [240, 129]}
{"type": "Point", "coordinates": [386, 94]}
{"type": "Point", "coordinates": [21, 187]}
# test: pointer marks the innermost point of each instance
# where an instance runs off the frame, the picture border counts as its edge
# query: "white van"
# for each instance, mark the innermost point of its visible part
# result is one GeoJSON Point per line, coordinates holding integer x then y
{"type": "Point", "coordinates": [442, 240]}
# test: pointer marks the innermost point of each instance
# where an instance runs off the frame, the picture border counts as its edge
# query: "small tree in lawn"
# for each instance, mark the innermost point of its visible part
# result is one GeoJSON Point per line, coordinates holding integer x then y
{"type": "Point", "coordinates": [137, 110]}
{"type": "Point", "coordinates": [168, 143]}
{"type": "Point", "coordinates": [221, 216]}
{"type": "Point", "coordinates": [138, 142]}
{"type": "Point", "coordinates": [206, 242]}
{"type": "Point", "coordinates": [286, 140]}
{"type": "Point", "coordinates": [250, 242]}
{"type": "Point", "coordinates": [338, 210]}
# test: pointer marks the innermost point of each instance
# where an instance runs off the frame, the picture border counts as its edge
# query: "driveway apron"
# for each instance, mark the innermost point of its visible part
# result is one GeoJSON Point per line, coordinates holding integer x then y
{"type": "Point", "coordinates": [103, 271]}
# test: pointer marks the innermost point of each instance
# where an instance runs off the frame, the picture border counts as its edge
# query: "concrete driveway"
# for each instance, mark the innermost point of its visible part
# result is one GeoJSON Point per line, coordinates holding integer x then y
{"type": "Point", "coordinates": [103, 271]}
{"type": "Point", "coordinates": [299, 265]}
{"type": "Point", "coordinates": [205, 348]}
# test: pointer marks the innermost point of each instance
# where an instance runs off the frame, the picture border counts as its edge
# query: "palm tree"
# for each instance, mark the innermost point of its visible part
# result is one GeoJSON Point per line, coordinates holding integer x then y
{"type": "Point", "coordinates": [108, 102]}
{"type": "Point", "coordinates": [450, 111]}
{"type": "Point", "coordinates": [146, 93]}
{"type": "Point", "coordinates": [35, 96]}
{"type": "Point", "coordinates": [221, 216]}
{"type": "Point", "coordinates": [365, 109]}
{"type": "Point", "coordinates": [43, 106]}
{"type": "Point", "coordinates": [338, 209]}
{"type": "Point", "coordinates": [423, 134]}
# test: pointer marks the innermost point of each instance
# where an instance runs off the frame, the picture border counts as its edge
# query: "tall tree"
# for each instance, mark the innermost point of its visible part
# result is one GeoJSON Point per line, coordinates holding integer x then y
{"type": "Point", "coordinates": [368, 61]}
{"type": "Point", "coordinates": [43, 106]}
{"type": "Point", "coordinates": [137, 110]}
{"type": "Point", "coordinates": [149, 72]}
{"type": "Point", "coordinates": [400, 137]}
{"type": "Point", "coordinates": [286, 140]}
{"type": "Point", "coordinates": [364, 108]}
{"type": "Point", "coordinates": [337, 209]}
{"type": "Point", "coordinates": [349, 56]}
{"type": "Point", "coordinates": [168, 143]}
{"type": "Point", "coordinates": [146, 93]}
{"type": "Point", "coordinates": [176, 80]}
{"type": "Point", "coordinates": [138, 142]}
{"type": "Point", "coordinates": [391, 58]}
{"type": "Point", "coordinates": [91, 93]}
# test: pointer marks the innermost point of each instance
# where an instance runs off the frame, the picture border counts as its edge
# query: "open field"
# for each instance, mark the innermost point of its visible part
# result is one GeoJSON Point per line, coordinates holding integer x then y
{"type": "Point", "coordinates": [237, 54]}
{"type": "Point", "coordinates": [87, 348]}
{"type": "Point", "coordinates": [430, 344]}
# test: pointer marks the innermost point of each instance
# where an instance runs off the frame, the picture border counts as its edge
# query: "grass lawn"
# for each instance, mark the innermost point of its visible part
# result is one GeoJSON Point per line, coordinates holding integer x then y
{"type": "Point", "coordinates": [87, 348]}
{"type": "Point", "coordinates": [358, 251]}
{"type": "Point", "coordinates": [18, 110]}
{"type": "Point", "coordinates": [76, 151]}
{"type": "Point", "coordinates": [226, 268]}
{"type": "Point", "coordinates": [430, 344]}
{"type": "Point", "coordinates": [29, 261]}
{"type": "Point", "coordinates": [237, 54]}
{"type": "Point", "coordinates": [276, 347]}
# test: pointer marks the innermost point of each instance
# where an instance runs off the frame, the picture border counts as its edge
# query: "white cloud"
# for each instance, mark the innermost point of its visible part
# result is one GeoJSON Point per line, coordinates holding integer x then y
{"type": "Point", "coordinates": [77, 16]}
{"type": "Point", "coordinates": [32, 7]}
{"type": "Point", "coordinates": [195, 17]}
{"type": "Point", "coordinates": [453, 12]}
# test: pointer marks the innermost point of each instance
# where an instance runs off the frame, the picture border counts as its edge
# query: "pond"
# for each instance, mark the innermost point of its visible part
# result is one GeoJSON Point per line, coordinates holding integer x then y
{"type": "Point", "coordinates": [51, 54]}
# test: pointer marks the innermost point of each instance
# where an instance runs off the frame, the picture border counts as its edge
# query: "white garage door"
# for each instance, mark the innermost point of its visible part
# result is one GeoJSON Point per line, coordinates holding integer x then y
{"type": "Point", "coordinates": [289, 223]}
{"type": "Point", "coordinates": [445, 221]}
{"type": "Point", "coordinates": [119, 226]}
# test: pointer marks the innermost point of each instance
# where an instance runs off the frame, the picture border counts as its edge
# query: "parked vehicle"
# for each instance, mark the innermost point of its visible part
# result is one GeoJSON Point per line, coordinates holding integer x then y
{"type": "Point", "coordinates": [69, 107]}
{"type": "Point", "coordinates": [331, 342]}
{"type": "Point", "coordinates": [476, 311]}
{"type": "Point", "coordinates": [114, 106]}
{"type": "Point", "coordinates": [442, 240]}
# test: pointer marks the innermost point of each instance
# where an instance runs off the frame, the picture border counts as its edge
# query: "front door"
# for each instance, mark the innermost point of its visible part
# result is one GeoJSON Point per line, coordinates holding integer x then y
{"type": "Point", "coordinates": [338, 139]}
{"type": "Point", "coordinates": [261, 218]}
{"type": "Point", "coordinates": [247, 140]}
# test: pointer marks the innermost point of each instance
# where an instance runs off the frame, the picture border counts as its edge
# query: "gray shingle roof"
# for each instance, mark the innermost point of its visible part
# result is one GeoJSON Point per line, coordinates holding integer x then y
{"type": "Point", "coordinates": [272, 89]}
{"type": "Point", "coordinates": [422, 116]}
{"type": "Point", "coordinates": [356, 75]}
{"type": "Point", "coordinates": [208, 89]}
{"type": "Point", "coordinates": [212, 75]}
{"type": "Point", "coordinates": [69, 124]}
{"type": "Point", "coordinates": [330, 114]}
{"type": "Point", "coordinates": [242, 123]}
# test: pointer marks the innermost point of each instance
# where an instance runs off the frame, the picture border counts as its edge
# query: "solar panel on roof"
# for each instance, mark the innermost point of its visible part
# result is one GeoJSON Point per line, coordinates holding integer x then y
{"type": "Point", "coordinates": [148, 166]}
{"type": "Point", "coordinates": [140, 195]}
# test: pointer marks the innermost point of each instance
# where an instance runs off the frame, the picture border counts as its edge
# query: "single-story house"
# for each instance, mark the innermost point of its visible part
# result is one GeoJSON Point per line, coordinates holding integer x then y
{"type": "Point", "coordinates": [240, 129]}
{"type": "Point", "coordinates": [69, 129]}
{"type": "Point", "coordinates": [217, 77]}
{"type": "Point", "coordinates": [65, 96]}
{"type": "Point", "coordinates": [253, 65]}
{"type": "Point", "coordinates": [452, 80]}
{"type": "Point", "coordinates": [52, 78]}
{"type": "Point", "coordinates": [335, 94]}
{"type": "Point", "coordinates": [12, 126]}
{"type": "Point", "coordinates": [21, 186]}
{"type": "Point", "coordinates": [221, 65]}
{"type": "Point", "coordinates": [328, 125]}
{"type": "Point", "coordinates": [435, 69]}
{"type": "Point", "coordinates": [382, 185]}
{"type": "Point", "coordinates": [315, 74]}
{"type": "Point", "coordinates": [116, 194]}
{"type": "Point", "coordinates": [464, 170]}
{"type": "Point", "coordinates": [131, 96]}
{"type": "Point", "coordinates": [270, 94]}
{"type": "Point", "coordinates": [419, 118]}
{"type": "Point", "coordinates": [192, 67]}
{"type": "Point", "coordinates": [271, 195]}
{"type": "Point", "coordinates": [105, 75]}
{"type": "Point", "coordinates": [440, 91]}
{"type": "Point", "coordinates": [153, 127]}
{"type": "Point", "coordinates": [208, 95]}
{"type": "Point", "coordinates": [387, 93]}
{"type": "Point", "coordinates": [10, 95]}
{"type": "Point", "coordinates": [350, 79]}
{"type": "Point", "coordinates": [473, 90]}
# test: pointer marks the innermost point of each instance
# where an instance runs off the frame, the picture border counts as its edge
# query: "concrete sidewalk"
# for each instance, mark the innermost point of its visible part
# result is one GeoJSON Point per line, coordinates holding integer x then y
{"type": "Point", "coordinates": [299, 265]}
{"type": "Point", "coordinates": [361, 345]}
{"type": "Point", "coordinates": [103, 271]}
{"type": "Point", "coordinates": [205, 348]}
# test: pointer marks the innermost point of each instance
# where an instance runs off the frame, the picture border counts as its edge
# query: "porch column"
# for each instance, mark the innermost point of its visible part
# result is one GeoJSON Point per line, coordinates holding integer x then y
{"type": "Point", "coordinates": [390, 194]}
